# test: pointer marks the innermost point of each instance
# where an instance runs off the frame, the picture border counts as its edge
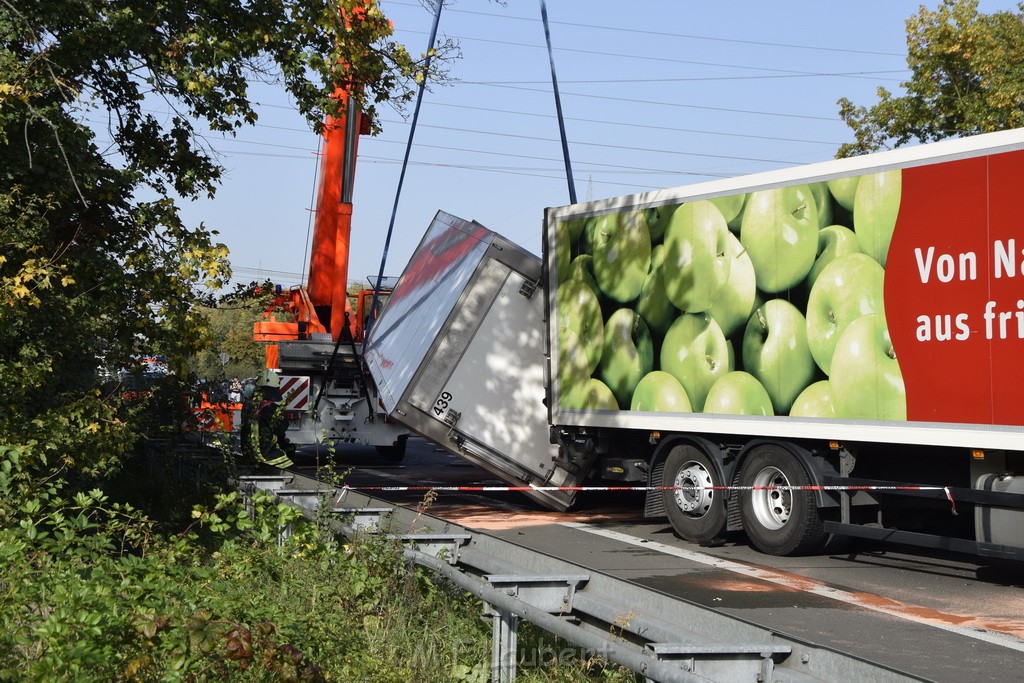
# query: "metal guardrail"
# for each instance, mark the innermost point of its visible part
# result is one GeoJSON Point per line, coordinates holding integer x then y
{"type": "Point", "coordinates": [661, 637]}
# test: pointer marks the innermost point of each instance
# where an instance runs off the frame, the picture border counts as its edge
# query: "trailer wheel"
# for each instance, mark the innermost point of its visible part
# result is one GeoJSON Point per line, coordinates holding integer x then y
{"type": "Point", "coordinates": [695, 509]}
{"type": "Point", "coordinates": [779, 521]}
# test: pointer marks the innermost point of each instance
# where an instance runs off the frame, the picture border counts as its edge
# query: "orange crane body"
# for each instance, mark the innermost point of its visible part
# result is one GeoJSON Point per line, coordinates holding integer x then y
{"type": "Point", "coordinates": [314, 335]}
{"type": "Point", "coordinates": [323, 306]}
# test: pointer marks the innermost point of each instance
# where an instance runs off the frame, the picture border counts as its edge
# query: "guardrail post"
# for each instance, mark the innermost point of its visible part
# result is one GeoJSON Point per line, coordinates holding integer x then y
{"type": "Point", "coordinates": [363, 520]}
{"type": "Point", "coordinates": [504, 643]}
{"type": "Point", "coordinates": [304, 499]}
{"type": "Point", "coordinates": [552, 593]}
{"type": "Point", "coordinates": [283, 534]}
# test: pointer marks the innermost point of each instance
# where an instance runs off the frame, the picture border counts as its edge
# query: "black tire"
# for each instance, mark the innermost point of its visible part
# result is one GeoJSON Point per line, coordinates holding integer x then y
{"type": "Point", "coordinates": [779, 521]}
{"type": "Point", "coordinates": [394, 453]}
{"type": "Point", "coordinates": [697, 514]}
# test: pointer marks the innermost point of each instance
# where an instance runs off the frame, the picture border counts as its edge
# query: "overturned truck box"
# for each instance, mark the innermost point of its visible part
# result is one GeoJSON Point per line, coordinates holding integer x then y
{"type": "Point", "coordinates": [458, 356]}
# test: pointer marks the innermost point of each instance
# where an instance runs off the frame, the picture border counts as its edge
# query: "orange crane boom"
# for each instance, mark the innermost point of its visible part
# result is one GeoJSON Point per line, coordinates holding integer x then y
{"type": "Point", "coordinates": [323, 305]}
{"type": "Point", "coordinates": [315, 354]}
{"type": "Point", "coordinates": [329, 255]}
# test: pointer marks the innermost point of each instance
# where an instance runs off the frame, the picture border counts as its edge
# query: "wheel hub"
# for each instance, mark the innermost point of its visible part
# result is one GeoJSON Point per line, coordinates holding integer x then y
{"type": "Point", "coordinates": [771, 499]}
{"type": "Point", "coordinates": [693, 493]}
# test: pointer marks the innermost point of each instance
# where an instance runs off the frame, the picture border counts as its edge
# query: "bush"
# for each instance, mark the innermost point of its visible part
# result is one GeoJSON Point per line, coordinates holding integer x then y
{"type": "Point", "coordinates": [90, 592]}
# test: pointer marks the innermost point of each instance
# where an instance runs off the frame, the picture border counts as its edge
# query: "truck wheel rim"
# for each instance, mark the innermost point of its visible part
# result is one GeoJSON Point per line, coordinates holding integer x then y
{"type": "Point", "coordinates": [693, 489]}
{"type": "Point", "coordinates": [771, 506]}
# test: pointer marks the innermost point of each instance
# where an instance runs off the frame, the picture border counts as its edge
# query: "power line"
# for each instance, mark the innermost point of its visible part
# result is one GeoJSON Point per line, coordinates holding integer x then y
{"type": "Point", "coordinates": [529, 137]}
{"type": "Point", "coordinates": [692, 79]}
{"type": "Point", "coordinates": [557, 174]}
{"type": "Point", "coordinates": [264, 273]}
{"type": "Point", "coordinates": [614, 167]}
{"type": "Point", "coordinates": [631, 148]}
{"type": "Point", "coordinates": [610, 165]}
{"type": "Point", "coordinates": [589, 167]}
{"type": "Point", "coordinates": [671, 60]}
{"type": "Point", "coordinates": [620, 29]}
{"type": "Point", "coordinates": [671, 104]}
{"type": "Point", "coordinates": [584, 166]}
{"type": "Point", "coordinates": [632, 124]}
{"type": "Point", "coordinates": [493, 153]}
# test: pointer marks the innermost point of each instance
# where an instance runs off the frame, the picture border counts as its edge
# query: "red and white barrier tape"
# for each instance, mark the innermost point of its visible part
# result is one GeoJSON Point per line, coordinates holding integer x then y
{"type": "Point", "coordinates": [648, 489]}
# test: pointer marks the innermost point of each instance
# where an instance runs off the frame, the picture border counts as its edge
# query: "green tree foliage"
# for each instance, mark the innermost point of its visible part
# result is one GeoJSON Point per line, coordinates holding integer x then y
{"type": "Point", "coordinates": [96, 265]}
{"type": "Point", "coordinates": [230, 332]}
{"type": "Point", "coordinates": [967, 77]}
{"type": "Point", "coordinates": [91, 593]}
{"type": "Point", "coordinates": [98, 268]}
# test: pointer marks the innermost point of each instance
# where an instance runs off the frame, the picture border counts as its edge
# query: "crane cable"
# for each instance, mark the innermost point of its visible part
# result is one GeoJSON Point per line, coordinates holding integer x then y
{"type": "Point", "coordinates": [405, 163]}
{"type": "Point", "coordinates": [558, 105]}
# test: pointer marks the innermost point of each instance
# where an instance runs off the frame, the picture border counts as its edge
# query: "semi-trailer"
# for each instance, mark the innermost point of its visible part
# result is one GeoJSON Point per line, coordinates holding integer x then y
{"type": "Point", "coordinates": [828, 351]}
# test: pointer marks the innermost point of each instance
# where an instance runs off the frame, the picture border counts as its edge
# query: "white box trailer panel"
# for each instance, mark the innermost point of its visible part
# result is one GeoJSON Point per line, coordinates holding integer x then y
{"type": "Point", "coordinates": [877, 298]}
{"type": "Point", "coordinates": [426, 294]}
{"type": "Point", "coordinates": [458, 355]}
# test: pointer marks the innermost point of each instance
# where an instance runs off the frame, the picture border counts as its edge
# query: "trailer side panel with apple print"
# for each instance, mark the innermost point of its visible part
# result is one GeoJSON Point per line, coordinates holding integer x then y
{"type": "Point", "coordinates": [773, 330]}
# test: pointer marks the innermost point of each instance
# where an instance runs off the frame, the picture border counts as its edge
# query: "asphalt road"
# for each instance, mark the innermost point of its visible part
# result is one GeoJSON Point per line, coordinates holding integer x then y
{"type": "Point", "coordinates": [937, 616]}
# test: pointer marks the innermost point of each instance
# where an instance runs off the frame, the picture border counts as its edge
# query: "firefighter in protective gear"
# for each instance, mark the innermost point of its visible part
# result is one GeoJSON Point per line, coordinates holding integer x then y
{"type": "Point", "coordinates": [266, 439]}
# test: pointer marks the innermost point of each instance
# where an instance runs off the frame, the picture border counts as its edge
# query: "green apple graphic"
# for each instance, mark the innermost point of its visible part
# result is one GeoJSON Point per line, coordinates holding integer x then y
{"type": "Point", "coordinates": [696, 263]}
{"type": "Point", "coordinates": [580, 311]}
{"type": "Point", "coordinates": [780, 232]}
{"type": "Point", "coordinates": [735, 302]}
{"type": "Point", "coordinates": [621, 246]}
{"type": "Point", "coordinates": [575, 227]}
{"type": "Point", "coordinates": [833, 241]}
{"type": "Point", "coordinates": [738, 393]}
{"type": "Point", "coordinates": [823, 202]}
{"type": "Point", "coordinates": [775, 351]}
{"type": "Point", "coordinates": [563, 250]}
{"type": "Point", "coordinates": [653, 304]}
{"type": "Point", "coordinates": [573, 370]}
{"type": "Point", "coordinates": [595, 395]}
{"type": "Point", "coordinates": [844, 190]}
{"type": "Point", "coordinates": [814, 401]}
{"type": "Point", "coordinates": [846, 289]}
{"type": "Point", "coordinates": [628, 353]}
{"type": "Point", "coordinates": [658, 218]}
{"type": "Point", "coordinates": [660, 392]}
{"type": "Point", "coordinates": [874, 211]}
{"type": "Point", "coordinates": [866, 379]}
{"type": "Point", "coordinates": [731, 207]}
{"type": "Point", "coordinates": [582, 268]}
{"type": "Point", "coordinates": [736, 223]}
{"type": "Point", "coordinates": [696, 353]}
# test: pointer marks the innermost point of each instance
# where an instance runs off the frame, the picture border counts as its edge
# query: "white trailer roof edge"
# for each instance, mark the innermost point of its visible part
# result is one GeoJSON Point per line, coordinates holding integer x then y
{"type": "Point", "coordinates": [903, 157]}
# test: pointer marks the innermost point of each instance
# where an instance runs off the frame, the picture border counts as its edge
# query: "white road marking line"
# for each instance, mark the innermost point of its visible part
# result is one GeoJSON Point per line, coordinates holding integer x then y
{"type": "Point", "coordinates": [806, 585]}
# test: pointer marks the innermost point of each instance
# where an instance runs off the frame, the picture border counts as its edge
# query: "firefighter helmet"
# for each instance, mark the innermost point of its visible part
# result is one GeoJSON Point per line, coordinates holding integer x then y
{"type": "Point", "coordinates": [268, 378]}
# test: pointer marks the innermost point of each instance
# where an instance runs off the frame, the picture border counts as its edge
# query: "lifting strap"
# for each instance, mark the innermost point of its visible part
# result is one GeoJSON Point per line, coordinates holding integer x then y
{"type": "Point", "coordinates": [558, 105]}
{"type": "Point", "coordinates": [401, 177]}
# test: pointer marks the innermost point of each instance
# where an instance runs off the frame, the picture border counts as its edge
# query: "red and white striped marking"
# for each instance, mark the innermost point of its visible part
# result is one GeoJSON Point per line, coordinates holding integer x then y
{"type": "Point", "coordinates": [295, 391]}
{"type": "Point", "coordinates": [808, 487]}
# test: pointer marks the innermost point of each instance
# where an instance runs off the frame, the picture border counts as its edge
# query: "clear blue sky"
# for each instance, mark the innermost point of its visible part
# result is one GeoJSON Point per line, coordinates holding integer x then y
{"type": "Point", "coordinates": [656, 93]}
